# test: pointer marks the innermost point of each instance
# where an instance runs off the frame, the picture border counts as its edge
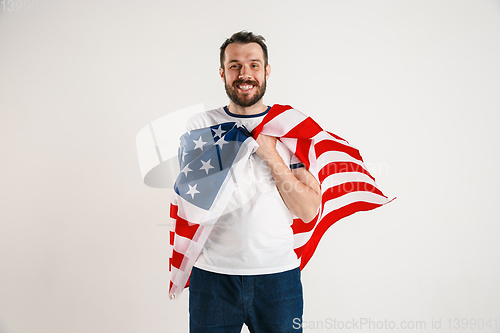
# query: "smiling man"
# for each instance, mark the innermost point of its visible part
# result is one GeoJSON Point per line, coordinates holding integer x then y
{"type": "Point", "coordinates": [248, 271]}
{"type": "Point", "coordinates": [244, 70]}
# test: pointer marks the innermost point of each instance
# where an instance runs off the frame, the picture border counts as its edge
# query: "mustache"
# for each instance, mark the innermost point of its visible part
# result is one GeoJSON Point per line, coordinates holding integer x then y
{"type": "Point", "coordinates": [240, 82]}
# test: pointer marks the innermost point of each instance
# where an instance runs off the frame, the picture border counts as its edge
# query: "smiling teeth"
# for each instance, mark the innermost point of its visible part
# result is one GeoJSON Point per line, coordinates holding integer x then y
{"type": "Point", "coordinates": [245, 87]}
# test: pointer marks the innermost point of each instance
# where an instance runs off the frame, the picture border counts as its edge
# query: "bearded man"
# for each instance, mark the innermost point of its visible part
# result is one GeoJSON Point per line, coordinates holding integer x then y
{"type": "Point", "coordinates": [258, 188]}
{"type": "Point", "coordinates": [248, 272]}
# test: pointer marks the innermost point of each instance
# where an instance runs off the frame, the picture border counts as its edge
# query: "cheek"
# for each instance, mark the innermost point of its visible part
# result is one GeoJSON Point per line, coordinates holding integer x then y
{"type": "Point", "coordinates": [261, 76]}
{"type": "Point", "coordinates": [229, 79]}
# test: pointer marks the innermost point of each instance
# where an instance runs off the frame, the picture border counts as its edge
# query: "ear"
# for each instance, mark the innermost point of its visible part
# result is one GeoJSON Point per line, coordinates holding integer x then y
{"type": "Point", "coordinates": [268, 71]}
{"type": "Point", "coordinates": [221, 73]}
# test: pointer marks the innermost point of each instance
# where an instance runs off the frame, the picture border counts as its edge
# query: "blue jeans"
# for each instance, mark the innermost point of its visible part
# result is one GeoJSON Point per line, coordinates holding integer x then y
{"type": "Point", "coordinates": [220, 303]}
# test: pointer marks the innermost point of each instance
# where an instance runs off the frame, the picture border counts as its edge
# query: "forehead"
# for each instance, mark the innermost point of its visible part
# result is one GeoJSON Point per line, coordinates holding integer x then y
{"type": "Point", "coordinates": [243, 52]}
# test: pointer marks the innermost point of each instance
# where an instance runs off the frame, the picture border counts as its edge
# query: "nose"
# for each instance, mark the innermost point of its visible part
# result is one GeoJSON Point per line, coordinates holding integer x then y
{"type": "Point", "coordinates": [244, 73]}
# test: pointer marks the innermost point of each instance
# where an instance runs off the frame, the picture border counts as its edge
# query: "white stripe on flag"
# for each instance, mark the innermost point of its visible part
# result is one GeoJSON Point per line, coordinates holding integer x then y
{"type": "Point", "coordinates": [345, 177]}
{"type": "Point", "coordinates": [325, 136]}
{"type": "Point", "coordinates": [337, 156]}
{"type": "Point", "coordinates": [187, 211]}
{"type": "Point", "coordinates": [181, 244]}
{"type": "Point", "coordinates": [283, 123]}
{"type": "Point", "coordinates": [352, 197]}
{"type": "Point", "coordinates": [300, 239]}
{"type": "Point", "coordinates": [290, 143]}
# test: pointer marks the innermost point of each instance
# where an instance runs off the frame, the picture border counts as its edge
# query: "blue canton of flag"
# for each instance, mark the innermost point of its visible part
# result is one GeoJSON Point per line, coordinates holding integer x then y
{"type": "Point", "coordinates": [205, 158]}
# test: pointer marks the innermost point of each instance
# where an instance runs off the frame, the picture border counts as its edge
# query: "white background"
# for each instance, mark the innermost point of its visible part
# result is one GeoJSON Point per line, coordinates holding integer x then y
{"type": "Point", "coordinates": [413, 84]}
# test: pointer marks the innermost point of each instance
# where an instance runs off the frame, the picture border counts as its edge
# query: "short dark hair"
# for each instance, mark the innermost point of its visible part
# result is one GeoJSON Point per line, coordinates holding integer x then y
{"type": "Point", "coordinates": [243, 37]}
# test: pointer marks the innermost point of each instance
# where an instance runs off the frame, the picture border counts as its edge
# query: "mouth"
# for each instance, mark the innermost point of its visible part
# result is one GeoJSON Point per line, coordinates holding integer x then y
{"type": "Point", "coordinates": [245, 87]}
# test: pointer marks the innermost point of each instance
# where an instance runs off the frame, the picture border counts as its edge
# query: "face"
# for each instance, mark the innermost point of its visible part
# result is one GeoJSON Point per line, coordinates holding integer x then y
{"type": "Point", "coordinates": [244, 74]}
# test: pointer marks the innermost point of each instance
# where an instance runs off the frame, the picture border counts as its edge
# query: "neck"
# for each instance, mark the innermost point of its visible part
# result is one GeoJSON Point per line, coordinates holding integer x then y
{"type": "Point", "coordinates": [257, 108]}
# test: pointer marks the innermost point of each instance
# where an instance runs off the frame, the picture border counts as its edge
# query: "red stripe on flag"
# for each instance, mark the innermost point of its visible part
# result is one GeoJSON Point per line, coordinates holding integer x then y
{"type": "Point", "coordinates": [173, 211]}
{"type": "Point", "coordinates": [275, 111]}
{"type": "Point", "coordinates": [342, 189]}
{"type": "Point", "coordinates": [302, 151]}
{"type": "Point", "coordinates": [338, 167]}
{"type": "Point", "coordinates": [172, 236]}
{"type": "Point", "coordinates": [187, 283]}
{"type": "Point", "coordinates": [177, 259]}
{"type": "Point", "coordinates": [306, 129]}
{"type": "Point", "coordinates": [185, 229]}
{"type": "Point", "coordinates": [328, 220]}
{"type": "Point", "coordinates": [300, 226]}
{"type": "Point", "coordinates": [337, 137]}
{"type": "Point", "coordinates": [330, 145]}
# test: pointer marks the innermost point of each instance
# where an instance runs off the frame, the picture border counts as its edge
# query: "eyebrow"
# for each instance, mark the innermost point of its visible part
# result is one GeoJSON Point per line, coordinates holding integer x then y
{"type": "Point", "coordinates": [251, 60]}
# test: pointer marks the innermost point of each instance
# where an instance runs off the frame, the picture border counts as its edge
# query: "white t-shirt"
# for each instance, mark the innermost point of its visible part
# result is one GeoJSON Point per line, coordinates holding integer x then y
{"type": "Point", "coordinates": [253, 234]}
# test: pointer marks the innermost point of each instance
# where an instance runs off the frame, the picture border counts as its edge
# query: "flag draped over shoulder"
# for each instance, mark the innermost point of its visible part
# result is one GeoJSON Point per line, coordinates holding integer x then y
{"type": "Point", "coordinates": [211, 161]}
{"type": "Point", "coordinates": [346, 185]}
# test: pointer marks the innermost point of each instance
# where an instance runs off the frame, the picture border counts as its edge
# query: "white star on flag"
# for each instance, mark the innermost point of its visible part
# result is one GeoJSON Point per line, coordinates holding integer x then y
{"type": "Point", "coordinates": [184, 155]}
{"type": "Point", "coordinates": [199, 144]}
{"type": "Point", "coordinates": [192, 190]}
{"type": "Point", "coordinates": [186, 170]}
{"type": "Point", "coordinates": [218, 132]}
{"type": "Point", "coordinates": [206, 165]}
{"type": "Point", "coordinates": [221, 142]}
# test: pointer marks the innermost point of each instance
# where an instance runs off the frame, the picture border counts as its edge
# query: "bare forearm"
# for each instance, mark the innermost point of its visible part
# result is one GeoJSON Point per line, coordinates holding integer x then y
{"type": "Point", "coordinates": [301, 198]}
{"type": "Point", "coordinates": [299, 189]}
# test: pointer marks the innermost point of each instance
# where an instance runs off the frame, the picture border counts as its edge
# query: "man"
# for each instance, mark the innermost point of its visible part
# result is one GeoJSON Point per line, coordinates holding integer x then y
{"type": "Point", "coordinates": [248, 271]}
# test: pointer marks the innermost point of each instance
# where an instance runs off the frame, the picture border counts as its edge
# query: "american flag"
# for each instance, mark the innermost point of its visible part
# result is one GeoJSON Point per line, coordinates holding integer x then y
{"type": "Point", "coordinates": [211, 163]}
{"type": "Point", "coordinates": [346, 185]}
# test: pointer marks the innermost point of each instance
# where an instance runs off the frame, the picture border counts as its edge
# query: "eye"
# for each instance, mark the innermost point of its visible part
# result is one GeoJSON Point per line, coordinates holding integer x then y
{"type": "Point", "coordinates": [234, 66]}
{"type": "Point", "coordinates": [255, 65]}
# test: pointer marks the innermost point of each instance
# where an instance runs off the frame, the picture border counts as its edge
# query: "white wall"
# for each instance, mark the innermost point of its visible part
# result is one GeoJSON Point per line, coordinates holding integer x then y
{"type": "Point", "coordinates": [413, 84]}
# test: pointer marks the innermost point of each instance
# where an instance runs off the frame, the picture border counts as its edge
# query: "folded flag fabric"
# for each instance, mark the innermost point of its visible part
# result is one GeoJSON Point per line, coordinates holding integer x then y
{"type": "Point", "coordinates": [211, 161]}
{"type": "Point", "coordinates": [346, 185]}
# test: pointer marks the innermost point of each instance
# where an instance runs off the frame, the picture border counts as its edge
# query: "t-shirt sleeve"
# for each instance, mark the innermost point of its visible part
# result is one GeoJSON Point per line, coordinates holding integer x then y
{"type": "Point", "coordinates": [295, 163]}
{"type": "Point", "coordinates": [193, 123]}
{"type": "Point", "coordinates": [203, 120]}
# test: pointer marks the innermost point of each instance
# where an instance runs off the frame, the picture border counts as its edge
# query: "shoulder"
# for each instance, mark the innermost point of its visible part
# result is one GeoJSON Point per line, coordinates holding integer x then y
{"type": "Point", "coordinates": [206, 119]}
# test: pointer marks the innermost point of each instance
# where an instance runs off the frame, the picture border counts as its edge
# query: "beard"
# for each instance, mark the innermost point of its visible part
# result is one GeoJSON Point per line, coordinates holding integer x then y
{"type": "Point", "coordinates": [245, 100]}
